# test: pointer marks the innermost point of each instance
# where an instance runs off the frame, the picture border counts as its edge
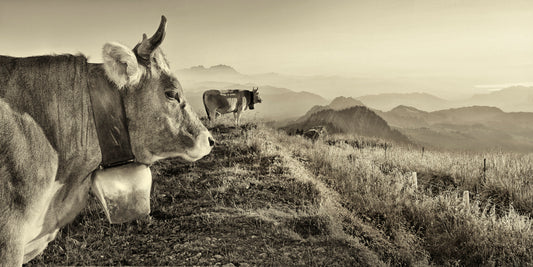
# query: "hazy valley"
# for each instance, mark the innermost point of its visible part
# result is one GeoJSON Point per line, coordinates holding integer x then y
{"type": "Point", "coordinates": [373, 92]}
{"type": "Point", "coordinates": [499, 120]}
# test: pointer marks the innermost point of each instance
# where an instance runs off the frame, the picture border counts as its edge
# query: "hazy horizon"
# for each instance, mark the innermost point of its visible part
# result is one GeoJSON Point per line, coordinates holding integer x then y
{"type": "Point", "coordinates": [463, 47]}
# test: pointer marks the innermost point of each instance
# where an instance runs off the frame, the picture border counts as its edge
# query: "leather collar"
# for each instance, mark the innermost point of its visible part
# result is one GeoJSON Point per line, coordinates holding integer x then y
{"type": "Point", "coordinates": [110, 120]}
{"type": "Point", "coordinates": [250, 98]}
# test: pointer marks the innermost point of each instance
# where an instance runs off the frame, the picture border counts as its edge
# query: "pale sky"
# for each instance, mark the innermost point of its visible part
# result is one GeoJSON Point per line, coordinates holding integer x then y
{"type": "Point", "coordinates": [487, 42]}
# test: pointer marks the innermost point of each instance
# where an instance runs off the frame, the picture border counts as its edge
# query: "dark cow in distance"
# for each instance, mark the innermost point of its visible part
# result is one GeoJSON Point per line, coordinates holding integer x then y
{"type": "Point", "coordinates": [217, 102]}
{"type": "Point", "coordinates": [49, 141]}
{"type": "Point", "coordinates": [314, 133]}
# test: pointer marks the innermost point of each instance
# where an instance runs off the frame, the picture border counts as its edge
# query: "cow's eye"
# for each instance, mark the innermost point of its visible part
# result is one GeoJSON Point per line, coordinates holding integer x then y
{"type": "Point", "coordinates": [172, 95]}
{"type": "Point", "coordinates": [169, 94]}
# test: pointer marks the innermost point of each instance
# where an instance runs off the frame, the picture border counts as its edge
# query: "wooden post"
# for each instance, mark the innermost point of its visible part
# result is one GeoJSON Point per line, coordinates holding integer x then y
{"type": "Point", "coordinates": [484, 170]}
{"type": "Point", "coordinates": [422, 152]}
{"type": "Point", "coordinates": [466, 199]}
{"type": "Point", "coordinates": [414, 181]}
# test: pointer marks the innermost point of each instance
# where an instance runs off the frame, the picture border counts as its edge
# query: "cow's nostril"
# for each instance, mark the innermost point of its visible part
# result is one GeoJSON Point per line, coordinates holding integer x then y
{"type": "Point", "coordinates": [211, 141]}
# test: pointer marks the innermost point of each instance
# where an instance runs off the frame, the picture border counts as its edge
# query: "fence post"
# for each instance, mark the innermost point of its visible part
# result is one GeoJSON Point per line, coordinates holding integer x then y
{"type": "Point", "coordinates": [466, 199]}
{"type": "Point", "coordinates": [484, 170]}
{"type": "Point", "coordinates": [414, 181]}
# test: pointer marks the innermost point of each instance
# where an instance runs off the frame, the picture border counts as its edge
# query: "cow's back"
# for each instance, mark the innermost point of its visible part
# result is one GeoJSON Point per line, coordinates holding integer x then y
{"type": "Point", "coordinates": [53, 90]}
{"type": "Point", "coordinates": [224, 101]}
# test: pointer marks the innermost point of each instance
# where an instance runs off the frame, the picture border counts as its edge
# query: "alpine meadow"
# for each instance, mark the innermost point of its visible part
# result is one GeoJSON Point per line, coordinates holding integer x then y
{"type": "Point", "coordinates": [263, 197]}
{"type": "Point", "coordinates": [266, 133]}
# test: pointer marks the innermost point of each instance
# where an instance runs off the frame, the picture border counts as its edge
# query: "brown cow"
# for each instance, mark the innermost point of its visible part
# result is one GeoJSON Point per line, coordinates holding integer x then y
{"type": "Point", "coordinates": [314, 133]}
{"type": "Point", "coordinates": [52, 112]}
{"type": "Point", "coordinates": [218, 102]}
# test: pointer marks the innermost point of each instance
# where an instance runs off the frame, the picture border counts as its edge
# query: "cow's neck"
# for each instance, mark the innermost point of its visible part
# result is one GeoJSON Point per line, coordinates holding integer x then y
{"type": "Point", "coordinates": [101, 110]}
{"type": "Point", "coordinates": [249, 99]}
{"type": "Point", "coordinates": [78, 161]}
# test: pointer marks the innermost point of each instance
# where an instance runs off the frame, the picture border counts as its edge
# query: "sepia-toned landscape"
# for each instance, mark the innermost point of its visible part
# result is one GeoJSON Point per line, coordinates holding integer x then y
{"type": "Point", "coordinates": [346, 133]}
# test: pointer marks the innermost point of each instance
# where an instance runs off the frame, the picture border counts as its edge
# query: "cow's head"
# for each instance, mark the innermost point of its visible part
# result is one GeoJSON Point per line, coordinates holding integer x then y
{"type": "Point", "coordinates": [256, 98]}
{"type": "Point", "coordinates": [161, 122]}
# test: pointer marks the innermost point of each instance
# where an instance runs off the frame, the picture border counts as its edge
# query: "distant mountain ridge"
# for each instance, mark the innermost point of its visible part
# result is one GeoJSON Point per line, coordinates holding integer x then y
{"type": "Point", "coordinates": [217, 69]}
{"type": "Point", "coordinates": [510, 93]}
{"type": "Point", "coordinates": [424, 101]}
{"type": "Point", "coordinates": [465, 128]}
{"type": "Point", "coordinates": [405, 115]}
{"type": "Point", "coordinates": [342, 102]}
{"type": "Point", "coordinates": [510, 99]}
{"type": "Point", "coordinates": [349, 116]}
{"type": "Point", "coordinates": [338, 103]}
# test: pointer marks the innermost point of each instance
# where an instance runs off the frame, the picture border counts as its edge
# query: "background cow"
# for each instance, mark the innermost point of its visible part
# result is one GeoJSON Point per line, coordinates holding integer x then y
{"type": "Point", "coordinates": [218, 102]}
{"type": "Point", "coordinates": [315, 133]}
{"type": "Point", "coordinates": [49, 147]}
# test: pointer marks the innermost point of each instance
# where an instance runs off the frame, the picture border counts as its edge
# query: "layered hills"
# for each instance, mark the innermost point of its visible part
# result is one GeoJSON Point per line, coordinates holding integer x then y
{"type": "Point", "coordinates": [347, 116]}
{"type": "Point", "coordinates": [477, 128]}
{"type": "Point", "coordinates": [510, 99]}
{"type": "Point", "coordinates": [474, 128]}
{"type": "Point", "coordinates": [419, 100]}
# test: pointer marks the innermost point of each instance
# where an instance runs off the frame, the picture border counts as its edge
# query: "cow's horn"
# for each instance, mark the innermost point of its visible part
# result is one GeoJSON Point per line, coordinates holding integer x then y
{"type": "Point", "coordinates": [145, 48]}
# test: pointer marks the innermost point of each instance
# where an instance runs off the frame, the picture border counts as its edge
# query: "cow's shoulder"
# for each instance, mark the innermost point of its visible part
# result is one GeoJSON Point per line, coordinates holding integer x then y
{"type": "Point", "coordinates": [28, 165]}
{"type": "Point", "coordinates": [28, 162]}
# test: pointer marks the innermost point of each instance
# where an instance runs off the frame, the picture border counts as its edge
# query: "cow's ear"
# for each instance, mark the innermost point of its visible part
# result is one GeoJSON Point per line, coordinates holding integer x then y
{"type": "Point", "coordinates": [121, 65]}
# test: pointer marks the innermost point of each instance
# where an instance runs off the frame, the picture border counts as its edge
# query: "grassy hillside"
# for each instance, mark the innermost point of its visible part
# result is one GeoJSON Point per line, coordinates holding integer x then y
{"type": "Point", "coordinates": [265, 198]}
